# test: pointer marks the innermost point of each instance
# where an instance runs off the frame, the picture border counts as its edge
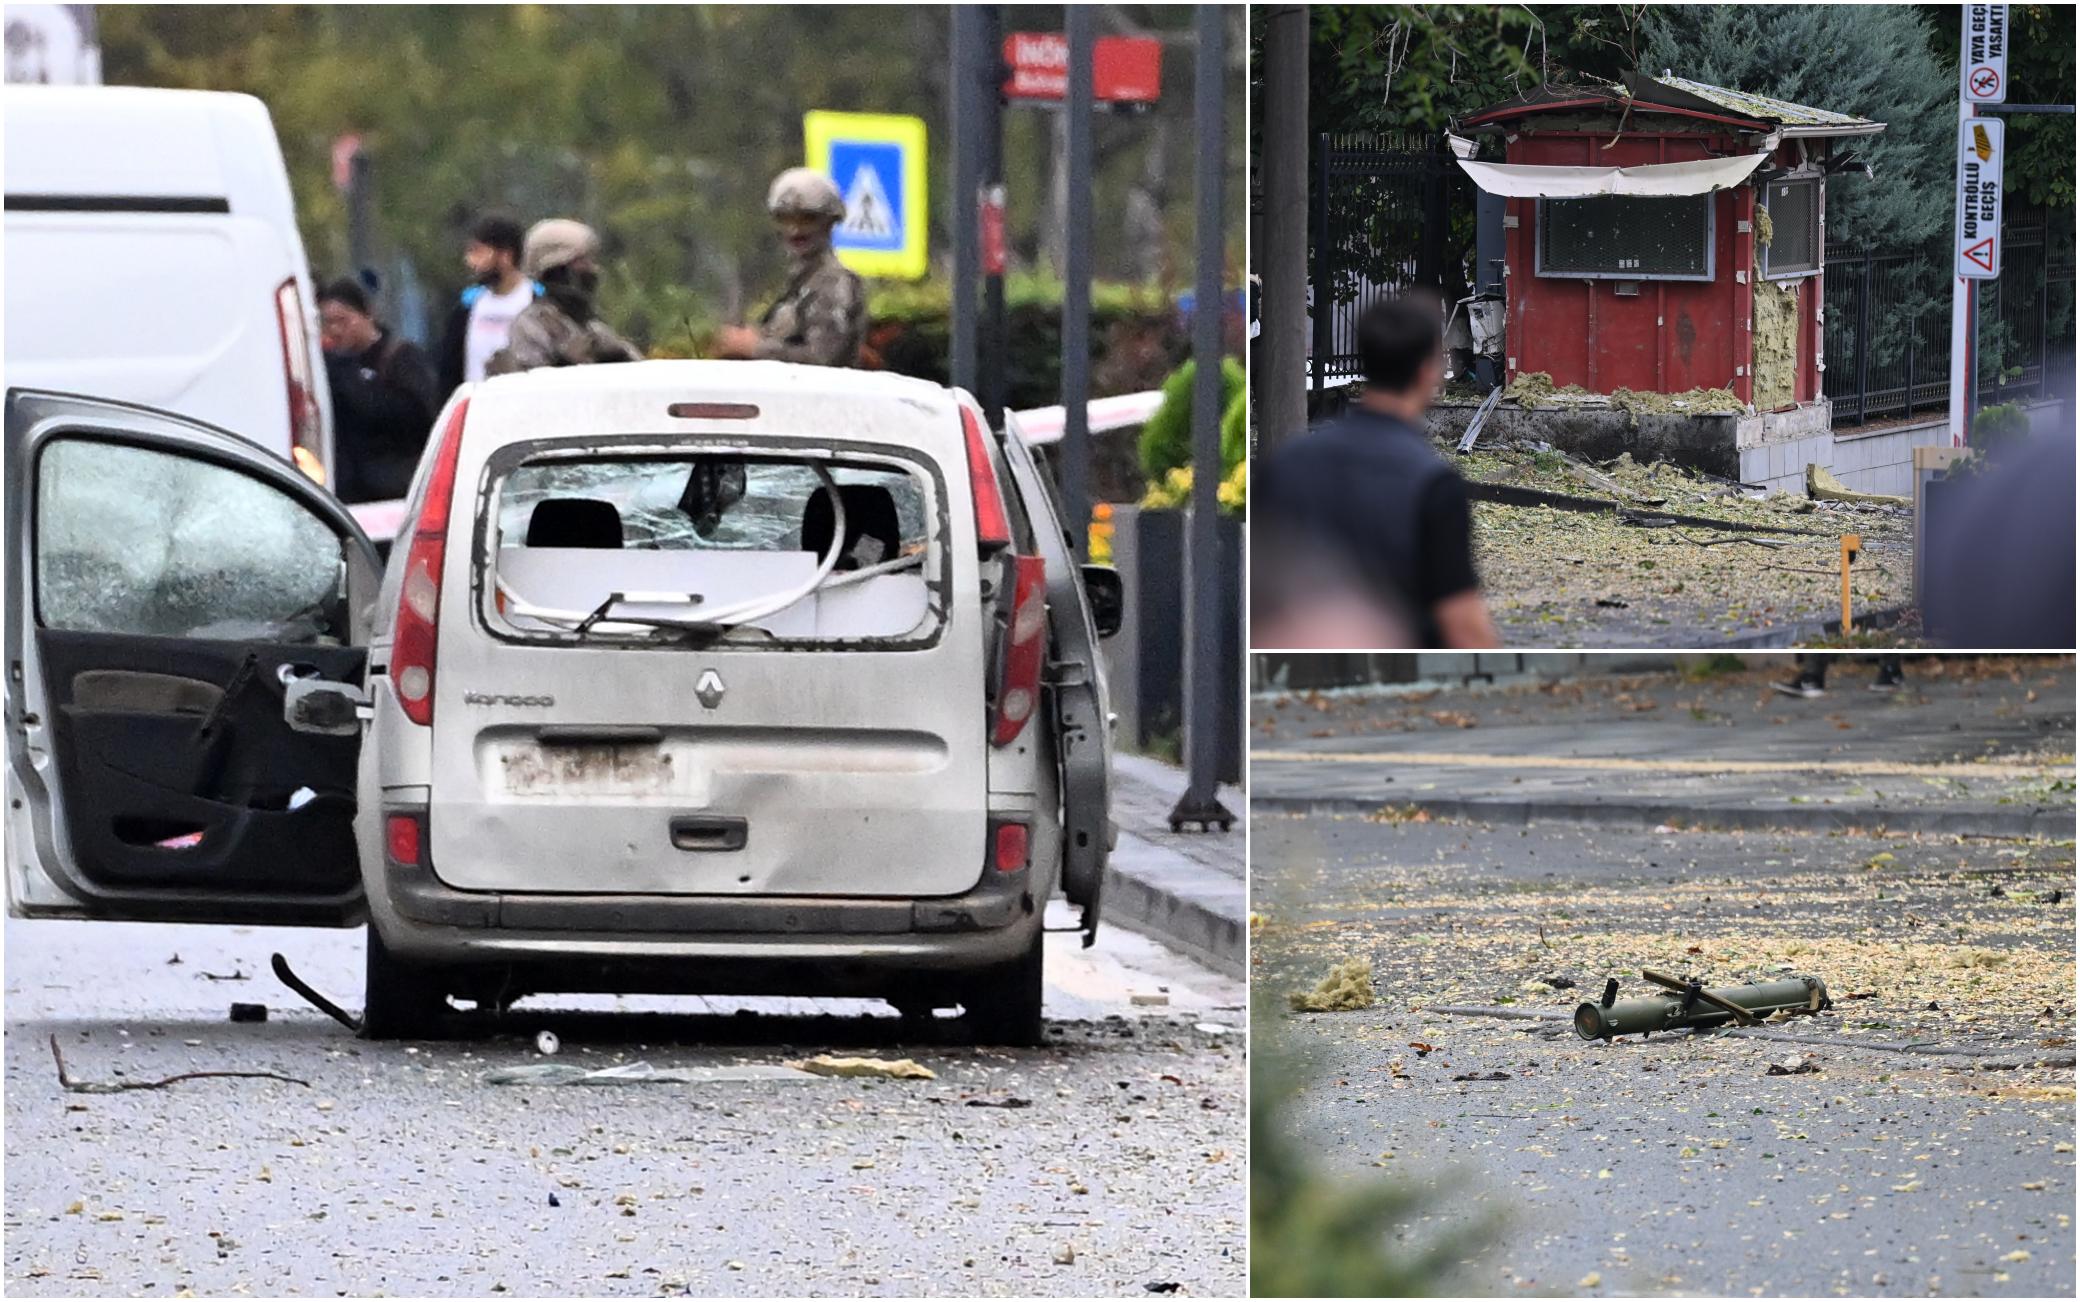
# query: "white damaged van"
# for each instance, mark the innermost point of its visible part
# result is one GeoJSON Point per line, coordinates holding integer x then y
{"type": "Point", "coordinates": [692, 677]}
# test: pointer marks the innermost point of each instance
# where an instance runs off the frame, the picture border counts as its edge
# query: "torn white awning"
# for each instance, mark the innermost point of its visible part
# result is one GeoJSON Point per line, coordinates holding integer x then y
{"type": "Point", "coordinates": [1648, 180]}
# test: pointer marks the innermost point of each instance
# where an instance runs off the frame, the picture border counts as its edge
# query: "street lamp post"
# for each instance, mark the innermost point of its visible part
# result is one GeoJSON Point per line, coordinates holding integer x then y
{"type": "Point", "coordinates": [1203, 572]}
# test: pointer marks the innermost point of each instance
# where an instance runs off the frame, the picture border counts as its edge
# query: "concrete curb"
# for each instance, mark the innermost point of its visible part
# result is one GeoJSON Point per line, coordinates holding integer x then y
{"type": "Point", "coordinates": [1191, 908]}
{"type": "Point", "coordinates": [1948, 822]}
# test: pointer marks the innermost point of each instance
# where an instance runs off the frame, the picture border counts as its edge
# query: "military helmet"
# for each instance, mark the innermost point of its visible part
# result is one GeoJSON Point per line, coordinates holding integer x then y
{"type": "Point", "coordinates": [805, 192]}
{"type": "Point", "coordinates": [556, 242]}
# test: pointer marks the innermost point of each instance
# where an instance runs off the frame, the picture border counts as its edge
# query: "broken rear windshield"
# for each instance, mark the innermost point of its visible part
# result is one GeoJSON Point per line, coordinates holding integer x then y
{"type": "Point", "coordinates": [747, 548]}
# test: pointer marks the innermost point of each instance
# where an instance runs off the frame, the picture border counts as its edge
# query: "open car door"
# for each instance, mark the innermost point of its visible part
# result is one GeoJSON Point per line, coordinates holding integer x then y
{"type": "Point", "coordinates": [1076, 679]}
{"type": "Point", "coordinates": [166, 583]}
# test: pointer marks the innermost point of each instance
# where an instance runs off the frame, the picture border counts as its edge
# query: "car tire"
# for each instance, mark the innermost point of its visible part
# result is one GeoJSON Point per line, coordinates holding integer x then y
{"type": "Point", "coordinates": [399, 1001]}
{"type": "Point", "coordinates": [1004, 1002]}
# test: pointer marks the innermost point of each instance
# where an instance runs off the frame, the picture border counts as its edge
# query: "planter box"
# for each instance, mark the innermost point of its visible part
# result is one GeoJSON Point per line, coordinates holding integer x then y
{"type": "Point", "coordinates": [1146, 658]}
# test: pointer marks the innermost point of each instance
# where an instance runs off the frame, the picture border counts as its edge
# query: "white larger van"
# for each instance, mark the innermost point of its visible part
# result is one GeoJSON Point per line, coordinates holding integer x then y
{"type": "Point", "coordinates": [152, 257]}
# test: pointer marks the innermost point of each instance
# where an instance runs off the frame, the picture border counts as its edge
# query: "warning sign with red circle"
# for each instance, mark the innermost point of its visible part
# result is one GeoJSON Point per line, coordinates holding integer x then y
{"type": "Point", "coordinates": [1985, 54]}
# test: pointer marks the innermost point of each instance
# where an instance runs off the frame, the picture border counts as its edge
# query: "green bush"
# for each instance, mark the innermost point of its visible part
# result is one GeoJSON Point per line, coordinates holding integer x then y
{"type": "Point", "coordinates": [1166, 441]}
{"type": "Point", "coordinates": [1996, 427]}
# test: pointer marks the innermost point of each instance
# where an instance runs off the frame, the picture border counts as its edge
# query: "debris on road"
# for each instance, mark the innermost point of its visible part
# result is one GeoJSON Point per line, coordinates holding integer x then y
{"type": "Point", "coordinates": [635, 1073]}
{"type": "Point", "coordinates": [1007, 1103]}
{"type": "Point", "coordinates": [249, 1012]}
{"type": "Point", "coordinates": [118, 1086]}
{"type": "Point", "coordinates": [1347, 987]}
{"type": "Point", "coordinates": [1798, 1064]}
{"type": "Point", "coordinates": [1065, 1255]}
{"type": "Point", "coordinates": [316, 1000]}
{"type": "Point", "coordinates": [878, 1068]}
{"type": "Point", "coordinates": [546, 1044]}
{"type": "Point", "coordinates": [1822, 486]}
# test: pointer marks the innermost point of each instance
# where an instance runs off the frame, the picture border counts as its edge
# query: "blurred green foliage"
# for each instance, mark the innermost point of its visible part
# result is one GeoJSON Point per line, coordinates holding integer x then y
{"type": "Point", "coordinates": [1166, 441]}
{"type": "Point", "coordinates": [661, 125]}
{"type": "Point", "coordinates": [1314, 1233]}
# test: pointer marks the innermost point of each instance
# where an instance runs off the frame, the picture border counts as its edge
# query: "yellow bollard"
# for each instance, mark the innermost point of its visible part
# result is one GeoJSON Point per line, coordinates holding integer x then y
{"type": "Point", "coordinates": [1851, 544]}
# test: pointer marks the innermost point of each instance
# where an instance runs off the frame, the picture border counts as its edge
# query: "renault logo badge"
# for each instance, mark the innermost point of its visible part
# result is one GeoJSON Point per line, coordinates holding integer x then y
{"type": "Point", "coordinates": [709, 688]}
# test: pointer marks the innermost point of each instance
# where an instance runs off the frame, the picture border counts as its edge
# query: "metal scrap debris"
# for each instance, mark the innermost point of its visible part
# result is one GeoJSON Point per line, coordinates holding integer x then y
{"type": "Point", "coordinates": [119, 1086]}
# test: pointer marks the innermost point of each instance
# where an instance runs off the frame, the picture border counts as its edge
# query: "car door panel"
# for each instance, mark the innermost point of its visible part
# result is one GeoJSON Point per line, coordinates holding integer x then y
{"type": "Point", "coordinates": [142, 783]}
{"type": "Point", "coordinates": [1077, 689]}
{"type": "Point", "coordinates": [166, 581]}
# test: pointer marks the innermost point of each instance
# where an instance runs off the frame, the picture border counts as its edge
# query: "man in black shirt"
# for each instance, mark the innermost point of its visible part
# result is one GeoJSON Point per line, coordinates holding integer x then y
{"type": "Point", "coordinates": [1360, 510]}
{"type": "Point", "coordinates": [383, 397]}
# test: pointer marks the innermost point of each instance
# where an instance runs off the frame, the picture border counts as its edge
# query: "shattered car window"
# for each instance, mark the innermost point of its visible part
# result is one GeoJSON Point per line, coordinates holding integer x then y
{"type": "Point", "coordinates": [754, 547]}
{"type": "Point", "coordinates": [131, 540]}
{"type": "Point", "coordinates": [708, 503]}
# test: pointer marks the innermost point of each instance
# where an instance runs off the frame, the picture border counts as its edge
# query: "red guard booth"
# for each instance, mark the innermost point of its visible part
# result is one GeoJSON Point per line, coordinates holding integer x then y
{"type": "Point", "coordinates": [1663, 235]}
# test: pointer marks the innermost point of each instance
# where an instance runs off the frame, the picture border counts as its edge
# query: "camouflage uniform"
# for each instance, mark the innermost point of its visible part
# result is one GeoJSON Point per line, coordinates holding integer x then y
{"type": "Point", "coordinates": [820, 318]}
{"type": "Point", "coordinates": [545, 335]}
{"type": "Point", "coordinates": [560, 327]}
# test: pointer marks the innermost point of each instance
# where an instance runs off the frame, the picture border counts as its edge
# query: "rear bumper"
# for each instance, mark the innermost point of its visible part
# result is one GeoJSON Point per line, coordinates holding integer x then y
{"type": "Point", "coordinates": [717, 944]}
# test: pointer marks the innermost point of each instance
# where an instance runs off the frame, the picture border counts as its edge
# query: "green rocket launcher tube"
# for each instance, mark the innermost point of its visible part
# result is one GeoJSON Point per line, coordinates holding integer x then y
{"type": "Point", "coordinates": [1686, 1005]}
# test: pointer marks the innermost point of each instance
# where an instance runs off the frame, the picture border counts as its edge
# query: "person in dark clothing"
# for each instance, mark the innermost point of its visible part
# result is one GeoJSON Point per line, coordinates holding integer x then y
{"type": "Point", "coordinates": [483, 315]}
{"type": "Point", "coordinates": [383, 397]}
{"type": "Point", "coordinates": [1360, 520]}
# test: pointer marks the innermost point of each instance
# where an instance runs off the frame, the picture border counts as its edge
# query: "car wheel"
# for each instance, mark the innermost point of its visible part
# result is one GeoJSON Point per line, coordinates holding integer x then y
{"type": "Point", "coordinates": [399, 1001]}
{"type": "Point", "coordinates": [1003, 1004]}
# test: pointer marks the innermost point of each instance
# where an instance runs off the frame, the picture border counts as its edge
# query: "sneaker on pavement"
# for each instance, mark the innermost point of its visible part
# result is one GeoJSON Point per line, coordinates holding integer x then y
{"type": "Point", "coordinates": [1803, 689]}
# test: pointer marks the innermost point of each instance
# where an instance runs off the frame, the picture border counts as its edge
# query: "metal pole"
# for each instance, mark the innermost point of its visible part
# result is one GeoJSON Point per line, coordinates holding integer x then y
{"type": "Point", "coordinates": [360, 220]}
{"type": "Point", "coordinates": [990, 121]}
{"type": "Point", "coordinates": [967, 252]}
{"type": "Point", "coordinates": [1863, 343]}
{"type": "Point", "coordinates": [1203, 688]}
{"type": "Point", "coordinates": [1322, 292]}
{"type": "Point", "coordinates": [1076, 289]}
{"type": "Point", "coordinates": [1279, 388]}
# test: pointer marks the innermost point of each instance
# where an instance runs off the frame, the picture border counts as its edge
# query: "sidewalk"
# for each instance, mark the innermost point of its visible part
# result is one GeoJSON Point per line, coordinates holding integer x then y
{"type": "Point", "coordinates": [1186, 889]}
{"type": "Point", "coordinates": [1980, 750]}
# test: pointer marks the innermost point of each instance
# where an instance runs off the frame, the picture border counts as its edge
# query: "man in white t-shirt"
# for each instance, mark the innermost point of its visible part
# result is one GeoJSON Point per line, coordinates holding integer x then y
{"type": "Point", "coordinates": [483, 316]}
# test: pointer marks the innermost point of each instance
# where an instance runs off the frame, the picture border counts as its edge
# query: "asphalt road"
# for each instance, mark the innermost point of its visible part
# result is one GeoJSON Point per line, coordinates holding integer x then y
{"type": "Point", "coordinates": [1679, 1165]}
{"type": "Point", "coordinates": [399, 1171]}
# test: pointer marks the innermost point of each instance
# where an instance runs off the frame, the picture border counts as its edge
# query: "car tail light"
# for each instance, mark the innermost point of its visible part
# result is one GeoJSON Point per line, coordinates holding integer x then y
{"type": "Point", "coordinates": [992, 526]}
{"type": "Point", "coordinates": [1010, 846]}
{"type": "Point", "coordinates": [402, 839]}
{"type": "Point", "coordinates": [419, 604]}
{"type": "Point", "coordinates": [306, 426]}
{"type": "Point", "coordinates": [1021, 649]}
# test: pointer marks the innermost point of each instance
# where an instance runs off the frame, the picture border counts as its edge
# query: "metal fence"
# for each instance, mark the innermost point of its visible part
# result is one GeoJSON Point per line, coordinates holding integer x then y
{"type": "Point", "coordinates": [1382, 207]}
{"type": "Point", "coordinates": [1888, 327]}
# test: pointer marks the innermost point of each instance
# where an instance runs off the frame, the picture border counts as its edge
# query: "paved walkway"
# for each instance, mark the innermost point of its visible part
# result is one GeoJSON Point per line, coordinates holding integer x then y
{"type": "Point", "coordinates": [1187, 889]}
{"type": "Point", "coordinates": [1979, 748]}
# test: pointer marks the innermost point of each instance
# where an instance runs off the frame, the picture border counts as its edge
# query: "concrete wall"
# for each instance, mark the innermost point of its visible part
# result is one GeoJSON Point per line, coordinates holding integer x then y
{"type": "Point", "coordinates": [1879, 462]}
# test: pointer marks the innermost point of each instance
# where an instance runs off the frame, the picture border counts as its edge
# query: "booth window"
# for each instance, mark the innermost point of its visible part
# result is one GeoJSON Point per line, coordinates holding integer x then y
{"type": "Point", "coordinates": [1794, 222]}
{"type": "Point", "coordinates": [1617, 237]}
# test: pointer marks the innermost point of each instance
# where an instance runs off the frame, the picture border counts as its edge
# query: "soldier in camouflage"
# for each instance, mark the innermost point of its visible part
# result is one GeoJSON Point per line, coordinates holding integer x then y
{"type": "Point", "coordinates": [821, 316]}
{"type": "Point", "coordinates": [562, 326]}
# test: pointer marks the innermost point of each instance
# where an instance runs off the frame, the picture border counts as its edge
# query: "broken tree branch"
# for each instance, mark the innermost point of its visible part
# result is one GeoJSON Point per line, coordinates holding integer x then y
{"type": "Point", "coordinates": [118, 1086]}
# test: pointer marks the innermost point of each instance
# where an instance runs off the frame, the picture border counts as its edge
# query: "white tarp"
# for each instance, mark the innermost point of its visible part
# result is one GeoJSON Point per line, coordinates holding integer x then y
{"type": "Point", "coordinates": [1649, 180]}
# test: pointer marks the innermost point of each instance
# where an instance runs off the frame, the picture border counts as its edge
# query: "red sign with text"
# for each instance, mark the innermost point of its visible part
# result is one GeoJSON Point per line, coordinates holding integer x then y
{"type": "Point", "coordinates": [1124, 69]}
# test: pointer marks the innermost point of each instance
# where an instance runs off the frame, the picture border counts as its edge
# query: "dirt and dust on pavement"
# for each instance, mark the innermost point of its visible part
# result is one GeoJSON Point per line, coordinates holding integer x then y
{"type": "Point", "coordinates": [1680, 559]}
{"type": "Point", "coordinates": [1915, 1139]}
{"type": "Point", "coordinates": [1110, 1163]}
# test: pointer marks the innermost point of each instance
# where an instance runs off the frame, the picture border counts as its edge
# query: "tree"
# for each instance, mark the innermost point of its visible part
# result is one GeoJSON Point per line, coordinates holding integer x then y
{"type": "Point", "coordinates": [659, 124]}
{"type": "Point", "coordinates": [1874, 61]}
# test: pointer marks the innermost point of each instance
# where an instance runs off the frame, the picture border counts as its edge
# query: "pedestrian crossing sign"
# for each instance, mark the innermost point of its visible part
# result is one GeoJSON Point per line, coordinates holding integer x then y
{"type": "Point", "coordinates": [877, 161]}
